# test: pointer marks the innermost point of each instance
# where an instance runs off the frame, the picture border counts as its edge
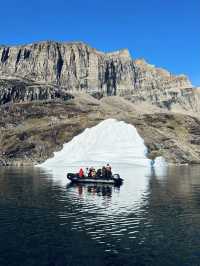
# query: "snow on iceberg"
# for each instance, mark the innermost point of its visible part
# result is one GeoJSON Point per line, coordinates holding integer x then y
{"type": "Point", "coordinates": [110, 141]}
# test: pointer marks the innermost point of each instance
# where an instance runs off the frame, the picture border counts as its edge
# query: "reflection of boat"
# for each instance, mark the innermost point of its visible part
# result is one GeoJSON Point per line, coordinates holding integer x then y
{"type": "Point", "coordinates": [94, 189]}
{"type": "Point", "coordinates": [114, 180]}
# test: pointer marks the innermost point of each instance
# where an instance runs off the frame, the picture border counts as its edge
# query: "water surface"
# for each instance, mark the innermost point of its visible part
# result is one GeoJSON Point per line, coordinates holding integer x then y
{"type": "Point", "coordinates": [153, 219]}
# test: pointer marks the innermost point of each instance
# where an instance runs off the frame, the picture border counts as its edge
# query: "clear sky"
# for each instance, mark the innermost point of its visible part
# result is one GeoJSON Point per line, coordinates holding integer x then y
{"type": "Point", "coordinates": [164, 32]}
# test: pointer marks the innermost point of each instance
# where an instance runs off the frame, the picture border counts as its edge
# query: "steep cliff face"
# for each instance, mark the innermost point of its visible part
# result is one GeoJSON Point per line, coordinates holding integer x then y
{"type": "Point", "coordinates": [74, 66]}
{"type": "Point", "coordinates": [78, 67]}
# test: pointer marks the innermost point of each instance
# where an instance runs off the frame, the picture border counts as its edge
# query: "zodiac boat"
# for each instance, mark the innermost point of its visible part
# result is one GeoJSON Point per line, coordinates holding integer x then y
{"type": "Point", "coordinates": [114, 179]}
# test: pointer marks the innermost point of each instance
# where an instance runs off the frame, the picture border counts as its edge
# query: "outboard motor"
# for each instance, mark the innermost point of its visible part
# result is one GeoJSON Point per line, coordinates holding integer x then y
{"type": "Point", "coordinates": [118, 179]}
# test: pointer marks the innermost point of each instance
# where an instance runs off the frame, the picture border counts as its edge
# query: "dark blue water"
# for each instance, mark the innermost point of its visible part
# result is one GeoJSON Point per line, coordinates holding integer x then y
{"type": "Point", "coordinates": [153, 219]}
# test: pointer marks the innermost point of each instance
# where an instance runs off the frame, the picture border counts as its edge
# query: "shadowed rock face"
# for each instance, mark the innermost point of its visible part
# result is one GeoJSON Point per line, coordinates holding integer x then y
{"type": "Point", "coordinates": [19, 90]}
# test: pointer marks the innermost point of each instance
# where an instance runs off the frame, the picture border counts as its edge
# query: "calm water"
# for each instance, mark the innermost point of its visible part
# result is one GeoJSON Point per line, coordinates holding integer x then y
{"type": "Point", "coordinates": [153, 219]}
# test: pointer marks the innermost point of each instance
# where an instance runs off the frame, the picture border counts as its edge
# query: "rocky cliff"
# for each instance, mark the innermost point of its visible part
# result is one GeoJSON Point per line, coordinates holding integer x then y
{"type": "Point", "coordinates": [46, 99]}
{"type": "Point", "coordinates": [74, 67]}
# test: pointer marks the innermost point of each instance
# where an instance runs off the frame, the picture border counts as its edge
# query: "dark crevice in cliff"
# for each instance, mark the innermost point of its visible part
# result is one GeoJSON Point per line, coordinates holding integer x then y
{"type": "Point", "coordinates": [48, 49]}
{"type": "Point", "coordinates": [18, 59]}
{"type": "Point", "coordinates": [73, 62]}
{"type": "Point", "coordinates": [110, 79]}
{"type": "Point", "coordinates": [88, 57]}
{"type": "Point", "coordinates": [59, 64]}
{"type": "Point", "coordinates": [18, 56]}
{"type": "Point", "coordinates": [135, 78]}
{"type": "Point", "coordinates": [26, 54]}
{"type": "Point", "coordinates": [5, 55]}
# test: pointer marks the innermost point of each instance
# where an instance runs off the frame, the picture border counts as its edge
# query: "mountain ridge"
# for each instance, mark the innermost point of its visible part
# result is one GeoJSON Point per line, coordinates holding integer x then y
{"type": "Point", "coordinates": [76, 66]}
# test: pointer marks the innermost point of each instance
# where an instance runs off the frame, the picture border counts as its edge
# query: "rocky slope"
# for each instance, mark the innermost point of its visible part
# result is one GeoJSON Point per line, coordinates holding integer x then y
{"type": "Point", "coordinates": [30, 132]}
{"type": "Point", "coordinates": [46, 98]}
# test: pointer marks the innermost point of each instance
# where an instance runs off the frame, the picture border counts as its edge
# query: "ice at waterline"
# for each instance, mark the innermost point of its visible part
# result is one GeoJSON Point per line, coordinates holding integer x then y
{"type": "Point", "coordinates": [110, 141]}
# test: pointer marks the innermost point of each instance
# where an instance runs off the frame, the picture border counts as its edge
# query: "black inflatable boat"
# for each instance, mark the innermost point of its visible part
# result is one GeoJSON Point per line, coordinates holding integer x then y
{"type": "Point", "coordinates": [113, 180]}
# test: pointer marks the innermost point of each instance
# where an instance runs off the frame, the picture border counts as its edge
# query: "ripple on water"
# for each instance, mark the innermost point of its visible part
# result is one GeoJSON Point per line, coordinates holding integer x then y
{"type": "Point", "coordinates": [145, 221]}
{"type": "Point", "coordinates": [106, 219]}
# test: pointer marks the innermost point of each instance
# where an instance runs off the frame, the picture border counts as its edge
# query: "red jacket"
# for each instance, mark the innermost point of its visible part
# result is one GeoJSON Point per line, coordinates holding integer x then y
{"type": "Point", "coordinates": [81, 173]}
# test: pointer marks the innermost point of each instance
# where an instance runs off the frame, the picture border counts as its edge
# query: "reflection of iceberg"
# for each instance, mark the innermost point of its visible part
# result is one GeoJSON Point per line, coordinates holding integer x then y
{"type": "Point", "coordinates": [160, 167]}
{"type": "Point", "coordinates": [112, 216]}
{"type": "Point", "coordinates": [132, 192]}
{"type": "Point", "coordinates": [160, 162]}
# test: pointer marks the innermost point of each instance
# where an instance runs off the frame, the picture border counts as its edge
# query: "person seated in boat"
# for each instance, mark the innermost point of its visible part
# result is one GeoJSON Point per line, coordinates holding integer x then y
{"type": "Point", "coordinates": [81, 173]}
{"type": "Point", "coordinates": [93, 173]}
{"type": "Point", "coordinates": [90, 172]}
{"type": "Point", "coordinates": [98, 173]}
{"type": "Point", "coordinates": [87, 172]}
{"type": "Point", "coordinates": [108, 171]}
{"type": "Point", "coordinates": [103, 171]}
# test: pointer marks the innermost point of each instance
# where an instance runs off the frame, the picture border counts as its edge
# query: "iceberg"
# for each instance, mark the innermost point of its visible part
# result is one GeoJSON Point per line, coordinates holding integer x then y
{"type": "Point", "coordinates": [110, 141]}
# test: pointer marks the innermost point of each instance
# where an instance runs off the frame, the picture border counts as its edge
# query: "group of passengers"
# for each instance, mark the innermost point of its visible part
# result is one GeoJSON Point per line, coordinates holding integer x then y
{"type": "Point", "coordinates": [104, 172]}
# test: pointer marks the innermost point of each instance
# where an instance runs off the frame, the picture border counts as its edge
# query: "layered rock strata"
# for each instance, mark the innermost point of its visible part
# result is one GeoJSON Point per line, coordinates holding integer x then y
{"type": "Point", "coordinates": [76, 67]}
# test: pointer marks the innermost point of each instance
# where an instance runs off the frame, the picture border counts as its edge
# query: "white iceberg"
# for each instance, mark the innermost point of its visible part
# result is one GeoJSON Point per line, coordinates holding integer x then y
{"type": "Point", "coordinates": [110, 141]}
